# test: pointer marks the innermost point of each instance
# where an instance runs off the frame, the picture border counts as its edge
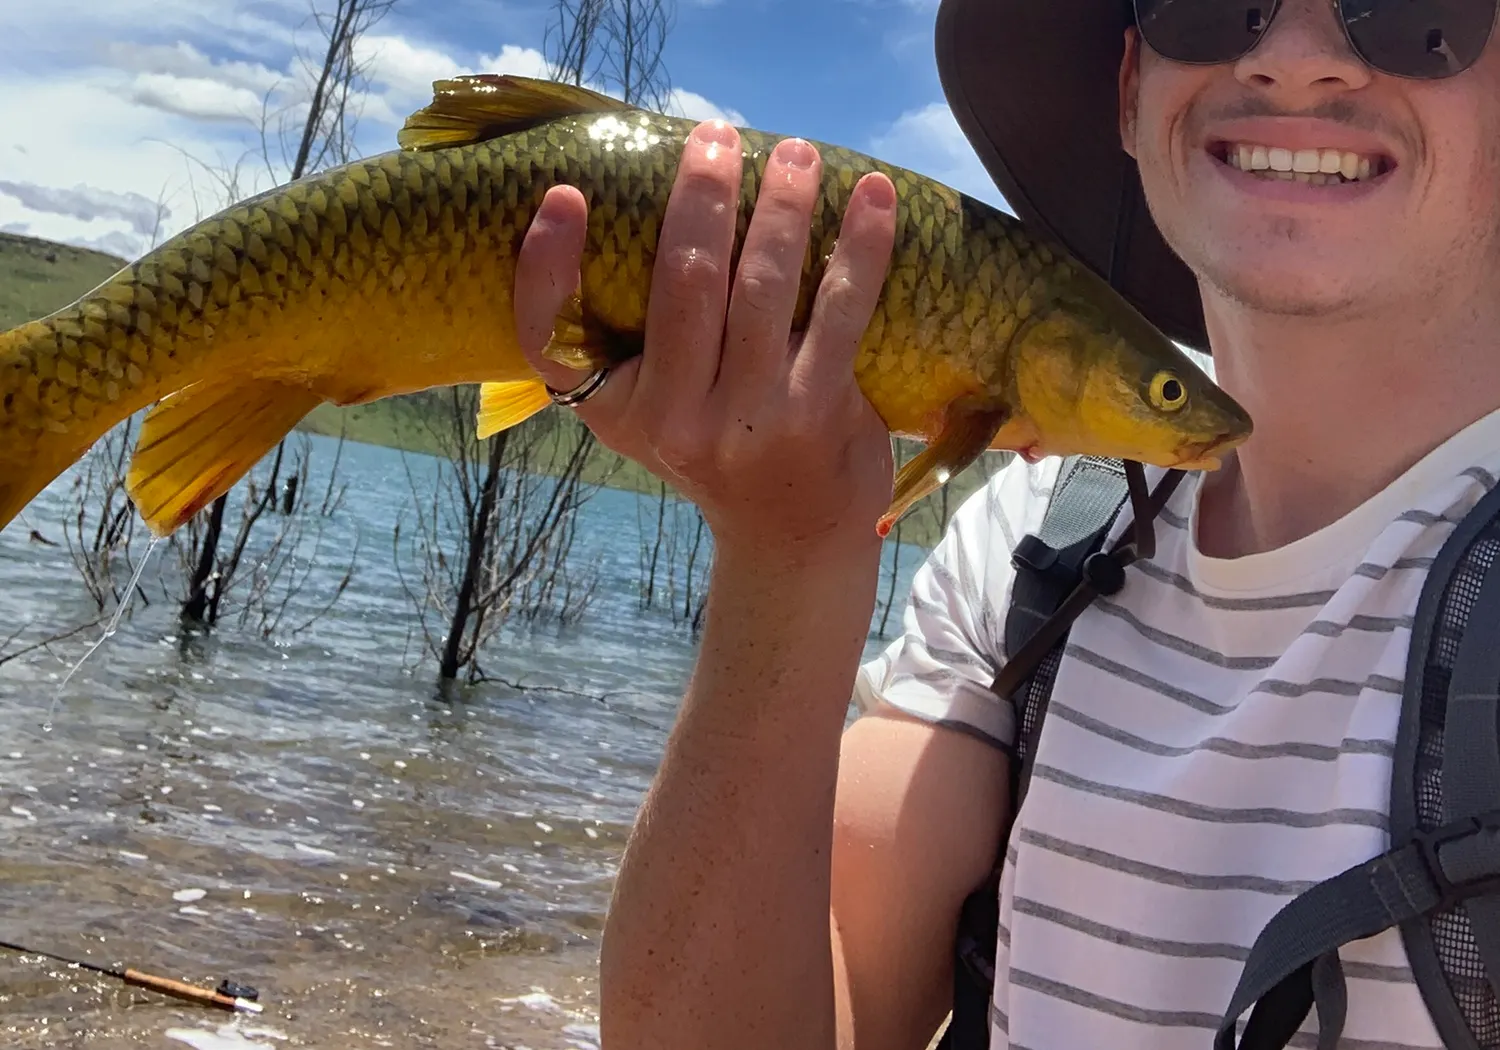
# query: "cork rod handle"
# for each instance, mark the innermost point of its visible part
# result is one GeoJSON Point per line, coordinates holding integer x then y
{"type": "Point", "coordinates": [179, 989]}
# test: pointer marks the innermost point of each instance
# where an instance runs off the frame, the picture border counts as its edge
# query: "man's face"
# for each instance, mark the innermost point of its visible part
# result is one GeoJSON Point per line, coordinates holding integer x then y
{"type": "Point", "coordinates": [1422, 212]}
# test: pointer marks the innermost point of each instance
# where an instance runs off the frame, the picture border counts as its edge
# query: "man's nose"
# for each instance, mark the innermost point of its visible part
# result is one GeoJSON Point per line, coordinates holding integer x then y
{"type": "Point", "coordinates": [1304, 58]}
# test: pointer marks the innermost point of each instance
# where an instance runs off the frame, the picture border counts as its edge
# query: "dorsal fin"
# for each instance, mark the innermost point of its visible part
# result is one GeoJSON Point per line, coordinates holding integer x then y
{"type": "Point", "coordinates": [470, 109]}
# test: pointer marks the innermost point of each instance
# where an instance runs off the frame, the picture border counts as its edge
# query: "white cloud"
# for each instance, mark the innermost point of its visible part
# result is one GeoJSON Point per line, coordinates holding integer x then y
{"type": "Point", "coordinates": [201, 98]}
{"type": "Point", "coordinates": [694, 106]}
{"type": "Point", "coordinates": [93, 136]}
{"type": "Point", "coordinates": [404, 69]}
{"type": "Point", "coordinates": [518, 62]}
{"type": "Point", "coordinates": [88, 203]}
{"type": "Point", "coordinates": [53, 26]}
{"type": "Point", "coordinates": [182, 59]}
{"type": "Point", "coordinates": [84, 135]}
{"type": "Point", "coordinates": [929, 142]}
{"type": "Point", "coordinates": [113, 243]}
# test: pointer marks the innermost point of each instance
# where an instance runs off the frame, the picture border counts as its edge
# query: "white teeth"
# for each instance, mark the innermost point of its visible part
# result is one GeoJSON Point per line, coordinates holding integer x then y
{"type": "Point", "coordinates": [1319, 167]}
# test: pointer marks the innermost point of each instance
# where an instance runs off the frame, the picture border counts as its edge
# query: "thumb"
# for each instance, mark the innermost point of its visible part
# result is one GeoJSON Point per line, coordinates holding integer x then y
{"type": "Point", "coordinates": [547, 273]}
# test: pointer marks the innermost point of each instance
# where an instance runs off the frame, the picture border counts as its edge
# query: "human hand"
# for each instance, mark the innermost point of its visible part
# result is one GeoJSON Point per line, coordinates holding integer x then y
{"type": "Point", "coordinates": [763, 428]}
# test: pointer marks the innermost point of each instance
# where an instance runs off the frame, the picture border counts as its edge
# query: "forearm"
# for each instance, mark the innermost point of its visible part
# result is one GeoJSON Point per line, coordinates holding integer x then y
{"type": "Point", "coordinates": [718, 935]}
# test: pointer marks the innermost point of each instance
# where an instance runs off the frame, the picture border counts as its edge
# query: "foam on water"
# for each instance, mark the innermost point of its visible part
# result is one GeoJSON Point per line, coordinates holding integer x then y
{"type": "Point", "coordinates": [226, 1037]}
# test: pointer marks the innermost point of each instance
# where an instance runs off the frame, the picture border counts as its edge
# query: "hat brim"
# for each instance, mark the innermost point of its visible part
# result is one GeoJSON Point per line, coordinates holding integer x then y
{"type": "Point", "coordinates": [1034, 86]}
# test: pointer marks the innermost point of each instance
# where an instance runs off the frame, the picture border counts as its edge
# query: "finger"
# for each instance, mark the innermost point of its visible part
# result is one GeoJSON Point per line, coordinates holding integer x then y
{"type": "Point", "coordinates": [547, 268]}
{"type": "Point", "coordinates": [763, 292]}
{"type": "Point", "coordinates": [851, 285]}
{"type": "Point", "coordinates": [690, 278]}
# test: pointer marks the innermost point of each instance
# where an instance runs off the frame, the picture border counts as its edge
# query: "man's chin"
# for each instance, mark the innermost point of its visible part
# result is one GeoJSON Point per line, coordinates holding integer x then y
{"type": "Point", "coordinates": [1280, 288]}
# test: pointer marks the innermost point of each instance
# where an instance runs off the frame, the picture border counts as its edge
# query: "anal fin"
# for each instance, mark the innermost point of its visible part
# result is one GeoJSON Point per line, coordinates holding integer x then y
{"type": "Point", "coordinates": [195, 444]}
{"type": "Point", "coordinates": [579, 341]}
{"type": "Point", "coordinates": [965, 436]}
{"type": "Point", "coordinates": [504, 405]}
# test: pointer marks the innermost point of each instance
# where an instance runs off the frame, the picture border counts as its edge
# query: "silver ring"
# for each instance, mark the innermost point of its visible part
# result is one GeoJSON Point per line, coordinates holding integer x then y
{"type": "Point", "coordinates": [582, 392]}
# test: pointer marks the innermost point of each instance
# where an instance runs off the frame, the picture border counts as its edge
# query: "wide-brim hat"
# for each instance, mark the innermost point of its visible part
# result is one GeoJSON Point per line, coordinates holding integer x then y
{"type": "Point", "coordinates": [1034, 85]}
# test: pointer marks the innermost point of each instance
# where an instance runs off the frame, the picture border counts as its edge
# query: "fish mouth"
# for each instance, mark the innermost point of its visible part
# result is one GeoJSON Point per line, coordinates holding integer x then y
{"type": "Point", "coordinates": [1206, 455]}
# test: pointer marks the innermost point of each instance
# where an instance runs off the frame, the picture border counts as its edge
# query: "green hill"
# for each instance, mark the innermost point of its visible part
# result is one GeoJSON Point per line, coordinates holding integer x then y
{"type": "Point", "coordinates": [39, 276]}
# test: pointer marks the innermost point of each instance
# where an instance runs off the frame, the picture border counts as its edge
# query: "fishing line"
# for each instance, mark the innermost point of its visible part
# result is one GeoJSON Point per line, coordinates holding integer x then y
{"type": "Point", "coordinates": [109, 630]}
{"type": "Point", "coordinates": [228, 996]}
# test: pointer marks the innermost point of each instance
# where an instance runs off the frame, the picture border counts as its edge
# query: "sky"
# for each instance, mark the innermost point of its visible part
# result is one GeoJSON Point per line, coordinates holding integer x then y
{"type": "Point", "coordinates": [122, 118]}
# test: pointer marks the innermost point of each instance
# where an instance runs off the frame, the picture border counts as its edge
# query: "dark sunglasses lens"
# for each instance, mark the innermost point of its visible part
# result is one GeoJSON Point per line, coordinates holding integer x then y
{"type": "Point", "coordinates": [1203, 30]}
{"type": "Point", "coordinates": [1419, 38]}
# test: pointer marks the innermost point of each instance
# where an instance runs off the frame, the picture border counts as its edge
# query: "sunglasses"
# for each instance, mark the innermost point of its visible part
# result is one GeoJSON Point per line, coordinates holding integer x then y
{"type": "Point", "coordinates": [1415, 39]}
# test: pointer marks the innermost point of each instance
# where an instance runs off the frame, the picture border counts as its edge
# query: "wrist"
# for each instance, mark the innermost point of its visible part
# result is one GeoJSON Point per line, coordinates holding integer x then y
{"type": "Point", "coordinates": [797, 619]}
{"type": "Point", "coordinates": [777, 564]}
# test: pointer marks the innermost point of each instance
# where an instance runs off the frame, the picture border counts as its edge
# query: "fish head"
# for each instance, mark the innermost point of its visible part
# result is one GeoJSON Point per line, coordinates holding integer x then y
{"type": "Point", "coordinates": [1093, 377]}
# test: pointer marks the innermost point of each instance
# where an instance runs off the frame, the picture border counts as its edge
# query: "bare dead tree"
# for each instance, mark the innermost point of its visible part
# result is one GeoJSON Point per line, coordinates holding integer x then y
{"type": "Point", "coordinates": [569, 39]}
{"type": "Point", "coordinates": [326, 133]}
{"type": "Point", "coordinates": [493, 532]}
{"type": "Point", "coordinates": [10, 651]}
{"type": "Point", "coordinates": [613, 45]}
{"type": "Point", "coordinates": [676, 556]}
{"type": "Point", "coordinates": [101, 523]}
{"type": "Point", "coordinates": [652, 540]}
{"type": "Point", "coordinates": [637, 31]}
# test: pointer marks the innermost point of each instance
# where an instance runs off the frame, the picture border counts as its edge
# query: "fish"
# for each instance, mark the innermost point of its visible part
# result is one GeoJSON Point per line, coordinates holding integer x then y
{"type": "Point", "coordinates": [394, 273]}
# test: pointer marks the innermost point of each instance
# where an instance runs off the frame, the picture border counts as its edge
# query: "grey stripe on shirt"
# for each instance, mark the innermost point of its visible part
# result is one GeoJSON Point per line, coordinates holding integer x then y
{"type": "Point", "coordinates": [1221, 745]}
{"type": "Point", "coordinates": [1273, 686]}
{"type": "Point", "coordinates": [1184, 949]}
{"type": "Point", "coordinates": [1161, 1018]}
{"type": "Point", "coordinates": [1344, 816]}
{"type": "Point", "coordinates": [1163, 875]}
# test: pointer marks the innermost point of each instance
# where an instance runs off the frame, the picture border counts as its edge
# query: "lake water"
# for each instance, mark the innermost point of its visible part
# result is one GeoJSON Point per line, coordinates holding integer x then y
{"type": "Point", "coordinates": [387, 863]}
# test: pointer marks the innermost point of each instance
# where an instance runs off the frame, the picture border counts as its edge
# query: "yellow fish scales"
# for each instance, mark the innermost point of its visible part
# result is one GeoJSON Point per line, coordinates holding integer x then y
{"type": "Point", "coordinates": [395, 273]}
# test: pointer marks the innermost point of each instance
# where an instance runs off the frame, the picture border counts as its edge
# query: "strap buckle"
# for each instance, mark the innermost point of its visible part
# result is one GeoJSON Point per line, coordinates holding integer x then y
{"type": "Point", "coordinates": [1430, 847]}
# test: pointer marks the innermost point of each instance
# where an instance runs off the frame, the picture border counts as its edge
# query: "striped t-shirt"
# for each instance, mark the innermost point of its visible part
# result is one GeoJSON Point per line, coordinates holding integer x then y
{"type": "Point", "coordinates": [1219, 738]}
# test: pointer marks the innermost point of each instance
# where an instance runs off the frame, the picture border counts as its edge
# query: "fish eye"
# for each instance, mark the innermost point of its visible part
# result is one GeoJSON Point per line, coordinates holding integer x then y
{"type": "Point", "coordinates": [1167, 392]}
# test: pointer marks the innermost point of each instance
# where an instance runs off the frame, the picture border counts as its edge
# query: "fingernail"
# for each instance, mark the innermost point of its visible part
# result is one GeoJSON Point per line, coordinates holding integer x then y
{"type": "Point", "coordinates": [878, 191]}
{"type": "Point", "coordinates": [796, 153]}
{"type": "Point", "coordinates": [715, 133]}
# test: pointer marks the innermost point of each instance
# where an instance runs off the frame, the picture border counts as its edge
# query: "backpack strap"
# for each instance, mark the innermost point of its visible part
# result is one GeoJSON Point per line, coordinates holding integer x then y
{"type": "Point", "coordinates": [1050, 565]}
{"type": "Point", "coordinates": [1059, 571]}
{"type": "Point", "coordinates": [1450, 864]}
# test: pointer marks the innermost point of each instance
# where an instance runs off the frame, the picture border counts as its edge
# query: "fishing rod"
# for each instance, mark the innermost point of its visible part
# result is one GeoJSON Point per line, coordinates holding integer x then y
{"type": "Point", "coordinates": [228, 996]}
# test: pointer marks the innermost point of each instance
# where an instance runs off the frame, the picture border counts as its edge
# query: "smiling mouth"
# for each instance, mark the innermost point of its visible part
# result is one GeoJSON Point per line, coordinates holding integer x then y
{"type": "Point", "coordinates": [1317, 167]}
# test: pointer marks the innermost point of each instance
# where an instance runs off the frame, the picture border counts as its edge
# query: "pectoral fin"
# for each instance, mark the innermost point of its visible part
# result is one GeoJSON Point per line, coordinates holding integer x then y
{"type": "Point", "coordinates": [197, 443]}
{"type": "Point", "coordinates": [964, 438]}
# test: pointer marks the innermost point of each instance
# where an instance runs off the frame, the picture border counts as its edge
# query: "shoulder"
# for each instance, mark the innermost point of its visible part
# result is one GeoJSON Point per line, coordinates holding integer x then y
{"type": "Point", "coordinates": [951, 644]}
{"type": "Point", "coordinates": [1008, 506]}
